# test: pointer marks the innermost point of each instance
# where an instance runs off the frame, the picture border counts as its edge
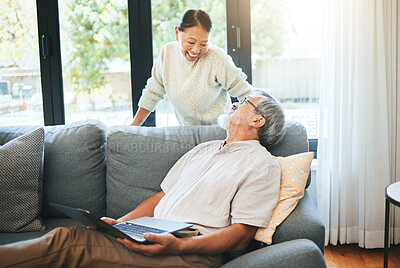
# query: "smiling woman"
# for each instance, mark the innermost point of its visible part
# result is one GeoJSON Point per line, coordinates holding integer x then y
{"type": "Point", "coordinates": [197, 78]}
{"type": "Point", "coordinates": [193, 33]}
{"type": "Point", "coordinates": [193, 41]}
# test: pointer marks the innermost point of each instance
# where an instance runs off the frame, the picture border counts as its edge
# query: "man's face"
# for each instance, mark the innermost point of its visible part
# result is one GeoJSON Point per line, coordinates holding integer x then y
{"type": "Point", "coordinates": [242, 113]}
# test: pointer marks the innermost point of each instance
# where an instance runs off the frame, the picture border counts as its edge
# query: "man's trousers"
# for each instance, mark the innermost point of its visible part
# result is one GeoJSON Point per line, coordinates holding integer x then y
{"type": "Point", "coordinates": [82, 247]}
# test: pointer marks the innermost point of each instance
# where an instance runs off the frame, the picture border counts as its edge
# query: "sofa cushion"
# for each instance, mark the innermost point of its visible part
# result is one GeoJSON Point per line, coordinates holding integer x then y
{"type": "Point", "coordinates": [21, 162]}
{"type": "Point", "coordinates": [138, 158]}
{"type": "Point", "coordinates": [75, 168]}
{"type": "Point", "coordinates": [74, 165]}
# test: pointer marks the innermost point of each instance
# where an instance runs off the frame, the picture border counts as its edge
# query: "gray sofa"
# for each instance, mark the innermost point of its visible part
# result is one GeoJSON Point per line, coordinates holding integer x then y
{"type": "Point", "coordinates": [110, 171]}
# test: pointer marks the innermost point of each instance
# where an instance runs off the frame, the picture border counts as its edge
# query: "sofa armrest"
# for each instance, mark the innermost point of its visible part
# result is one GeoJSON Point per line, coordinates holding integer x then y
{"type": "Point", "coordinates": [296, 253]}
{"type": "Point", "coordinates": [303, 222]}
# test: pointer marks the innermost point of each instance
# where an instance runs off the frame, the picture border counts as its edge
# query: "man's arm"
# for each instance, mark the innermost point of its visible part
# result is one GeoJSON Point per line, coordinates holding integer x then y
{"type": "Point", "coordinates": [146, 208]}
{"type": "Point", "coordinates": [233, 238]}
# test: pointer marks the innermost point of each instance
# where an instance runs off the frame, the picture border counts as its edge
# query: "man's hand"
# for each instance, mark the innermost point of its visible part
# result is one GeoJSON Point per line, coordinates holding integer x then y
{"type": "Point", "coordinates": [110, 221]}
{"type": "Point", "coordinates": [162, 245]}
{"type": "Point", "coordinates": [235, 237]}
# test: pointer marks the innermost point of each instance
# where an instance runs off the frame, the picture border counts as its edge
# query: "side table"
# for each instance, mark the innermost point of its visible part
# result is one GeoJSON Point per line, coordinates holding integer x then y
{"type": "Point", "coordinates": [392, 193]}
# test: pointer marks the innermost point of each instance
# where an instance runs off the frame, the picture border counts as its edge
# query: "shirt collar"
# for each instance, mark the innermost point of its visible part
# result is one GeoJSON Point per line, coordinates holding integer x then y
{"type": "Point", "coordinates": [237, 145]}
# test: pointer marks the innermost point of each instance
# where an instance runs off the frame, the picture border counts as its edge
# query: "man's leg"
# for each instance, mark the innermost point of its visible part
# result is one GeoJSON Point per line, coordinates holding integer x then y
{"type": "Point", "coordinates": [80, 247]}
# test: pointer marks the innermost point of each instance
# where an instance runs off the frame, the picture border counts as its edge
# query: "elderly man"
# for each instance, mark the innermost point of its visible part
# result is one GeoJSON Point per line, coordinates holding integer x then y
{"type": "Point", "coordinates": [226, 189]}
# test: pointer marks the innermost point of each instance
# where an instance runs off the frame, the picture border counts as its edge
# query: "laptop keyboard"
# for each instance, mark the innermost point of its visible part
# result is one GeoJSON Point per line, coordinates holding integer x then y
{"type": "Point", "coordinates": [136, 230]}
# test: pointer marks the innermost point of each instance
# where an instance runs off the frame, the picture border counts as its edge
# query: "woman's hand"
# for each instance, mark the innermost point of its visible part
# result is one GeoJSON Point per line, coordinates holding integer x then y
{"type": "Point", "coordinates": [161, 245]}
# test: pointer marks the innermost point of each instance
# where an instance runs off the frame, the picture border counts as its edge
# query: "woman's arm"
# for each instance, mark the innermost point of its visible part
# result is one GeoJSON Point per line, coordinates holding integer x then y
{"type": "Point", "coordinates": [140, 117]}
{"type": "Point", "coordinates": [232, 78]}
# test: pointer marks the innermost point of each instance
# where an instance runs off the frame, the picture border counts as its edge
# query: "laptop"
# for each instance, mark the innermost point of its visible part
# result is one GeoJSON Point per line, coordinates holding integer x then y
{"type": "Point", "coordinates": [133, 229]}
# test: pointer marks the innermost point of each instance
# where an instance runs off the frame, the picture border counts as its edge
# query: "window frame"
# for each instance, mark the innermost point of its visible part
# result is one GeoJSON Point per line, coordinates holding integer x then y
{"type": "Point", "coordinates": [238, 36]}
{"type": "Point", "coordinates": [50, 62]}
{"type": "Point", "coordinates": [141, 51]}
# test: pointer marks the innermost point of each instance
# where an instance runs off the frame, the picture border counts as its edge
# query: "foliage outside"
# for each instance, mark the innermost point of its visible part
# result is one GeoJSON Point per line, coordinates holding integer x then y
{"type": "Point", "coordinates": [18, 33]}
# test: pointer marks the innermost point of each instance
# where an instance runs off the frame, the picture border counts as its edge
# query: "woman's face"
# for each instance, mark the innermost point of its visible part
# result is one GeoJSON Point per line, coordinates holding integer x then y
{"type": "Point", "coordinates": [193, 42]}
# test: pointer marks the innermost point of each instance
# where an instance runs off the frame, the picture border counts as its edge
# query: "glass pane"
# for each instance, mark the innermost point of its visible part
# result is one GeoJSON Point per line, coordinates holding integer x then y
{"type": "Point", "coordinates": [286, 50]}
{"type": "Point", "coordinates": [20, 88]}
{"type": "Point", "coordinates": [166, 15]}
{"type": "Point", "coordinates": [95, 57]}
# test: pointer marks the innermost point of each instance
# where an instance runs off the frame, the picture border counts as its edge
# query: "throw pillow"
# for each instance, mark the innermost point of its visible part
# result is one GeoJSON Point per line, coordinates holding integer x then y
{"type": "Point", "coordinates": [20, 183]}
{"type": "Point", "coordinates": [294, 174]}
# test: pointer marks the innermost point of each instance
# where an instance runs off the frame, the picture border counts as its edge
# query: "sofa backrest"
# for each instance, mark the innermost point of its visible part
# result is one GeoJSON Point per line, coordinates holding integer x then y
{"type": "Point", "coordinates": [138, 158]}
{"type": "Point", "coordinates": [74, 164]}
{"type": "Point", "coordinates": [75, 167]}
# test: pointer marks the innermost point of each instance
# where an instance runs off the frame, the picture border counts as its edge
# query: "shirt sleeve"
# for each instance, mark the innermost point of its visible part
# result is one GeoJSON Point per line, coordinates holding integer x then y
{"type": "Point", "coordinates": [154, 90]}
{"type": "Point", "coordinates": [257, 197]}
{"type": "Point", "coordinates": [232, 78]}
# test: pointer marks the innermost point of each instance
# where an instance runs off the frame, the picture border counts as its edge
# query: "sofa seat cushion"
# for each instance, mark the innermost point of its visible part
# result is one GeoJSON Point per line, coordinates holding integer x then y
{"type": "Point", "coordinates": [51, 223]}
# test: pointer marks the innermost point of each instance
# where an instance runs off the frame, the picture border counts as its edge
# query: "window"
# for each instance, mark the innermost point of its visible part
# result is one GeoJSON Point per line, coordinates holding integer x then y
{"type": "Point", "coordinates": [285, 54]}
{"type": "Point", "coordinates": [107, 57]}
{"type": "Point", "coordinates": [167, 15]}
{"type": "Point", "coordinates": [20, 87]}
{"type": "Point", "coordinates": [95, 61]}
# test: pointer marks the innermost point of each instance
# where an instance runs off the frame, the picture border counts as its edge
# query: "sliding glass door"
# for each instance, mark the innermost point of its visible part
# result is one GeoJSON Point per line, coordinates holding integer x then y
{"type": "Point", "coordinates": [20, 87]}
{"type": "Point", "coordinates": [165, 16]}
{"type": "Point", "coordinates": [95, 60]}
{"type": "Point", "coordinates": [285, 55]}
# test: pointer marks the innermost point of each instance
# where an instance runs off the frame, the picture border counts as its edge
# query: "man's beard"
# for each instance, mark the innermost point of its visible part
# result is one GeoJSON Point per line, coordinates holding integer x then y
{"type": "Point", "coordinates": [223, 120]}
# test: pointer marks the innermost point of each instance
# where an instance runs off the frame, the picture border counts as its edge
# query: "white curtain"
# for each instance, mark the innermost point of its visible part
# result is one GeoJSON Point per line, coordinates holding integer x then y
{"type": "Point", "coordinates": [391, 11]}
{"type": "Point", "coordinates": [359, 124]}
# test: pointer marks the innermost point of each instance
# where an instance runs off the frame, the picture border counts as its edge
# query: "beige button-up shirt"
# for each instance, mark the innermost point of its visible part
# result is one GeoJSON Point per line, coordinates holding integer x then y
{"type": "Point", "coordinates": [215, 185]}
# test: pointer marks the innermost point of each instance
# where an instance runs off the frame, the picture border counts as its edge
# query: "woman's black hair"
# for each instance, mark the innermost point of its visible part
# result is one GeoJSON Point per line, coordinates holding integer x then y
{"type": "Point", "coordinates": [193, 17]}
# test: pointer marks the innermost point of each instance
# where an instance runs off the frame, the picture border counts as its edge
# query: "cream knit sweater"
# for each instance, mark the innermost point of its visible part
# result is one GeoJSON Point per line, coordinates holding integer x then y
{"type": "Point", "coordinates": [199, 91]}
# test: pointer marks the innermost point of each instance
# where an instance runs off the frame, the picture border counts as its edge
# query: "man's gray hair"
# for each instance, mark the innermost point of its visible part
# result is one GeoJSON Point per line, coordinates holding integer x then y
{"type": "Point", "coordinates": [273, 130]}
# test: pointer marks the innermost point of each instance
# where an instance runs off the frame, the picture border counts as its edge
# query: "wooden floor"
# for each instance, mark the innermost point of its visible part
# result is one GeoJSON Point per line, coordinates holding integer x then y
{"type": "Point", "coordinates": [353, 256]}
